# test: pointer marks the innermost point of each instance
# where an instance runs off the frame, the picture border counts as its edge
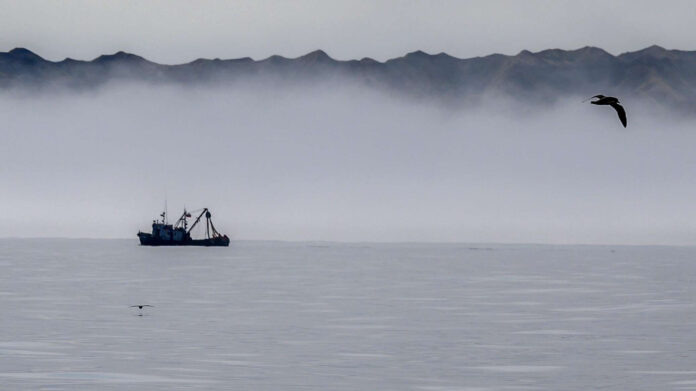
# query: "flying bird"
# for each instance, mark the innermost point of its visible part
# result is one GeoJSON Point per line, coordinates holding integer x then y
{"type": "Point", "coordinates": [613, 102]}
{"type": "Point", "coordinates": [140, 306]}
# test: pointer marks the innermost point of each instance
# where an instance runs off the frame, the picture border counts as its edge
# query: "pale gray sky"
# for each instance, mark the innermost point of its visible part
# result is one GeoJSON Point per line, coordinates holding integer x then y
{"type": "Point", "coordinates": [176, 31]}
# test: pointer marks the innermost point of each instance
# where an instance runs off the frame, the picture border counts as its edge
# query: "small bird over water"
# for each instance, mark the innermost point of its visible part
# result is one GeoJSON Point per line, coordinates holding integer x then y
{"type": "Point", "coordinates": [613, 102]}
{"type": "Point", "coordinates": [140, 306]}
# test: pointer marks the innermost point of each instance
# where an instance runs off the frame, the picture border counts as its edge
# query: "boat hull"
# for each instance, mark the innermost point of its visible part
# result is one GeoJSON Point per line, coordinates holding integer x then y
{"type": "Point", "coordinates": [147, 239]}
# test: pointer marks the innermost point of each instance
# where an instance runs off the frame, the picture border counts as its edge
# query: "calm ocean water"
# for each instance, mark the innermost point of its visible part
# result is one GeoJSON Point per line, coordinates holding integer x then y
{"type": "Point", "coordinates": [324, 316]}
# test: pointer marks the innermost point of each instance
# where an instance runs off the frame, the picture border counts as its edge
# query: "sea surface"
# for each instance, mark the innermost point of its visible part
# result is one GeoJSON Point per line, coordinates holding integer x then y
{"type": "Point", "coordinates": [326, 316]}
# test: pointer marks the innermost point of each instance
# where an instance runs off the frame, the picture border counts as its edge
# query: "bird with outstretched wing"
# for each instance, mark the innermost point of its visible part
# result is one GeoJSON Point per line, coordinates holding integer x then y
{"type": "Point", "coordinates": [613, 102]}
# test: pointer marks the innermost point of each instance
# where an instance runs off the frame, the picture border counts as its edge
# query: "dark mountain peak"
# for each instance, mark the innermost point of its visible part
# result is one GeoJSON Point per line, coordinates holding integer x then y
{"type": "Point", "coordinates": [70, 61]}
{"type": "Point", "coordinates": [242, 59]}
{"type": "Point", "coordinates": [587, 53]}
{"type": "Point", "coordinates": [591, 50]}
{"type": "Point", "coordinates": [199, 61]}
{"type": "Point", "coordinates": [418, 54]}
{"type": "Point", "coordinates": [217, 60]}
{"type": "Point", "coordinates": [275, 60]}
{"type": "Point", "coordinates": [526, 57]}
{"type": "Point", "coordinates": [494, 56]}
{"type": "Point", "coordinates": [653, 51]}
{"type": "Point", "coordinates": [418, 58]}
{"type": "Point", "coordinates": [445, 56]}
{"type": "Point", "coordinates": [316, 56]}
{"type": "Point", "coordinates": [368, 60]}
{"type": "Point", "coordinates": [421, 55]}
{"type": "Point", "coordinates": [551, 52]}
{"type": "Point", "coordinates": [23, 52]}
{"type": "Point", "coordinates": [24, 55]}
{"type": "Point", "coordinates": [120, 56]}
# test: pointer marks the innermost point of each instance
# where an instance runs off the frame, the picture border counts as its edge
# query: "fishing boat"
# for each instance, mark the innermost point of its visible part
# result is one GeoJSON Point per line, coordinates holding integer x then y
{"type": "Point", "coordinates": [179, 233]}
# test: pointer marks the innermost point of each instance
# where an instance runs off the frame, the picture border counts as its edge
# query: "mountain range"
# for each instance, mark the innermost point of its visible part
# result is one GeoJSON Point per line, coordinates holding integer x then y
{"type": "Point", "coordinates": [665, 77]}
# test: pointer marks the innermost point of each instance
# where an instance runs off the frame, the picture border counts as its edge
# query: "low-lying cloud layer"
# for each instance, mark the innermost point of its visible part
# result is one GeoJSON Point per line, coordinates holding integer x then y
{"type": "Point", "coordinates": [347, 164]}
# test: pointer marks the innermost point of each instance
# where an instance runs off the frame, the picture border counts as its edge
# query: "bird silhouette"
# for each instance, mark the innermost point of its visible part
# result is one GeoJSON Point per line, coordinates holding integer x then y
{"type": "Point", "coordinates": [140, 306]}
{"type": "Point", "coordinates": [613, 102]}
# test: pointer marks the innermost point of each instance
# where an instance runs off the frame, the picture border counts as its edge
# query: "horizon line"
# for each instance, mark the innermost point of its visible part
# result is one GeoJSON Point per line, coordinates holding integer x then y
{"type": "Point", "coordinates": [392, 242]}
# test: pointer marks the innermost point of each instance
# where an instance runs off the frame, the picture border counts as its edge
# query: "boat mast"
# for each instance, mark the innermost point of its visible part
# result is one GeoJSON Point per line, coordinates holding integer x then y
{"type": "Point", "coordinates": [181, 222]}
{"type": "Point", "coordinates": [207, 225]}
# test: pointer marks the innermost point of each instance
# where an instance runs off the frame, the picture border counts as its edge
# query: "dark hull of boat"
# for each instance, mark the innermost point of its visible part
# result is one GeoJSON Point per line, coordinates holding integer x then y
{"type": "Point", "coordinates": [147, 240]}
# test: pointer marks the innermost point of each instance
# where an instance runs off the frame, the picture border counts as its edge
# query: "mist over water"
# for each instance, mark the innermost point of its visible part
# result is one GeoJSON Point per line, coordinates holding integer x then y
{"type": "Point", "coordinates": [339, 162]}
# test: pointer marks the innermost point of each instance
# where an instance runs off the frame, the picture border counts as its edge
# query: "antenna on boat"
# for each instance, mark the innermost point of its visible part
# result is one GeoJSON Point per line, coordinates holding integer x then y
{"type": "Point", "coordinates": [164, 218]}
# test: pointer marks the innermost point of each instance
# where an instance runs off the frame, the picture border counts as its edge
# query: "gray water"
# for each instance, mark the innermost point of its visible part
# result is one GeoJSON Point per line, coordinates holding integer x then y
{"type": "Point", "coordinates": [324, 316]}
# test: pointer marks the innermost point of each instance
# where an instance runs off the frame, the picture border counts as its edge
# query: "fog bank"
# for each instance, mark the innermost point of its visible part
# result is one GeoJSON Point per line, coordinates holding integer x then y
{"type": "Point", "coordinates": [344, 164]}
